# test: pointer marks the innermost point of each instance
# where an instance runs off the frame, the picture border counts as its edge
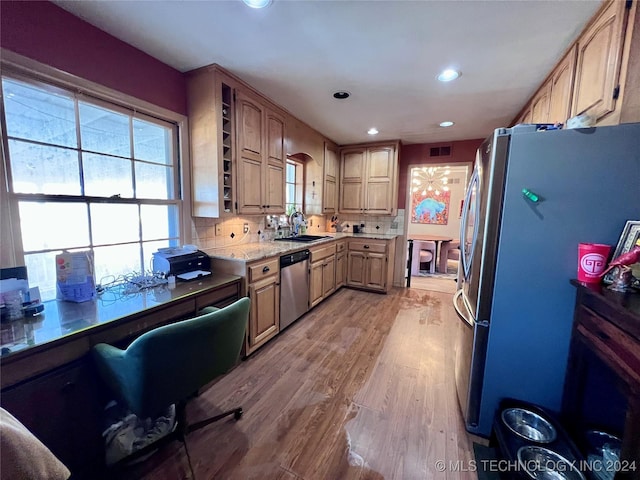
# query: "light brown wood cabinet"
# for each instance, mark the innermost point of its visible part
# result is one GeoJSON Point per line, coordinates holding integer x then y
{"type": "Point", "coordinates": [369, 179]}
{"type": "Point", "coordinates": [330, 180]}
{"type": "Point", "coordinates": [540, 104]}
{"type": "Point", "coordinates": [561, 83]}
{"type": "Point", "coordinates": [341, 263]}
{"type": "Point", "coordinates": [595, 73]}
{"type": "Point", "coordinates": [210, 103]}
{"type": "Point", "coordinates": [370, 264]}
{"type": "Point", "coordinates": [261, 156]}
{"type": "Point", "coordinates": [599, 53]}
{"type": "Point", "coordinates": [322, 282]}
{"type": "Point", "coordinates": [264, 292]}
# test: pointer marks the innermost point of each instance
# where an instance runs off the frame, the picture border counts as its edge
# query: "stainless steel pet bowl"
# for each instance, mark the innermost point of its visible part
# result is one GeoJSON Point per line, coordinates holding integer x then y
{"type": "Point", "coordinates": [597, 440]}
{"type": "Point", "coordinates": [544, 464]}
{"type": "Point", "coordinates": [529, 425]}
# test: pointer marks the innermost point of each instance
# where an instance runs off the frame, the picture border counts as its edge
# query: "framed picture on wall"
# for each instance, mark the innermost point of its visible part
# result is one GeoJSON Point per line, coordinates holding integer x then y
{"type": "Point", "coordinates": [430, 207]}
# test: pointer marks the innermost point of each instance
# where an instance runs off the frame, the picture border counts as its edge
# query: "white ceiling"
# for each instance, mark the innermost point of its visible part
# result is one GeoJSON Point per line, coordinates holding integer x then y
{"type": "Point", "coordinates": [386, 53]}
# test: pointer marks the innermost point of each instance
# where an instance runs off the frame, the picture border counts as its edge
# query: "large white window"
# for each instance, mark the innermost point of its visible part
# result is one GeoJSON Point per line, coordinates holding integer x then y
{"type": "Point", "coordinates": [88, 175]}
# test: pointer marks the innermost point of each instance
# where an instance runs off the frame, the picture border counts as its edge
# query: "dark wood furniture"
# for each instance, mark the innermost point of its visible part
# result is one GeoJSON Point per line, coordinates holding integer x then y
{"type": "Point", "coordinates": [49, 381]}
{"type": "Point", "coordinates": [604, 362]}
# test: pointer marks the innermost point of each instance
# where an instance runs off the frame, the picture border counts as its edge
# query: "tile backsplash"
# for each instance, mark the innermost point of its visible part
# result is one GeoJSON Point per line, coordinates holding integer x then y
{"type": "Point", "coordinates": [231, 230]}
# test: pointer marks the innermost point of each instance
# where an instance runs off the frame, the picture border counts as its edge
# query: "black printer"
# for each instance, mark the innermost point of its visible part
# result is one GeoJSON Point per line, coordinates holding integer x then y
{"type": "Point", "coordinates": [185, 263]}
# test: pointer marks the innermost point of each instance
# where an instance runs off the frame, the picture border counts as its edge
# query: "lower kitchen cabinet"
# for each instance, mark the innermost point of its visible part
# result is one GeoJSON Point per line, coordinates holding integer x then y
{"type": "Point", "coordinates": [341, 264]}
{"type": "Point", "coordinates": [368, 264]}
{"type": "Point", "coordinates": [323, 273]}
{"type": "Point", "coordinates": [62, 409]}
{"type": "Point", "coordinates": [264, 292]}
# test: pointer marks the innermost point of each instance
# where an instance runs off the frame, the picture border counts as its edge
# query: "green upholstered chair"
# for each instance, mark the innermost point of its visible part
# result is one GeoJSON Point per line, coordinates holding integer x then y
{"type": "Point", "coordinates": [171, 363]}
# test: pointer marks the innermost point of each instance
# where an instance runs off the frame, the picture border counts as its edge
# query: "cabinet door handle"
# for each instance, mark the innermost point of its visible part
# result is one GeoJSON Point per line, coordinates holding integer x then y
{"type": "Point", "coordinates": [265, 269]}
{"type": "Point", "coordinates": [366, 246]}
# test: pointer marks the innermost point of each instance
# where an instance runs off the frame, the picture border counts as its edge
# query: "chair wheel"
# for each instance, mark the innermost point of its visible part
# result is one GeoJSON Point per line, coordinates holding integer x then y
{"type": "Point", "coordinates": [238, 414]}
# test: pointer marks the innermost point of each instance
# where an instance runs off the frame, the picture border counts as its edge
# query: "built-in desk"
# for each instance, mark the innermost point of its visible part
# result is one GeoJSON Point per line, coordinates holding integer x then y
{"type": "Point", "coordinates": [48, 381]}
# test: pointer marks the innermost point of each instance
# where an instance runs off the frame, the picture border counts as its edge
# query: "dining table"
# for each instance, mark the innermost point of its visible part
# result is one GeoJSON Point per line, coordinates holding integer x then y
{"type": "Point", "coordinates": [441, 265]}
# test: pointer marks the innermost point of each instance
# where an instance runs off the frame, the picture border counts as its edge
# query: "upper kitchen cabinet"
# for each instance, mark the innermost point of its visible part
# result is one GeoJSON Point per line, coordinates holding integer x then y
{"type": "Point", "coordinates": [561, 82]}
{"type": "Point", "coordinates": [552, 102]}
{"type": "Point", "coordinates": [598, 75]}
{"type": "Point", "coordinates": [261, 156]}
{"type": "Point", "coordinates": [330, 179]}
{"type": "Point", "coordinates": [525, 116]}
{"type": "Point", "coordinates": [540, 104]}
{"type": "Point", "coordinates": [369, 179]}
{"type": "Point", "coordinates": [599, 55]}
{"type": "Point", "coordinates": [306, 145]}
{"type": "Point", "coordinates": [211, 106]}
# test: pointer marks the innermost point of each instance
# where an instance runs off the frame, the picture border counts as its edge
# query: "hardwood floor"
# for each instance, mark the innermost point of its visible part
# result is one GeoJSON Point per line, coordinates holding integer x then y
{"type": "Point", "coordinates": [361, 387]}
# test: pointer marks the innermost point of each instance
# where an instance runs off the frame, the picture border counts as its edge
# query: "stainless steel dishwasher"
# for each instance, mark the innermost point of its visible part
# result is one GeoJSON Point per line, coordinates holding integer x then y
{"type": "Point", "coordinates": [294, 287]}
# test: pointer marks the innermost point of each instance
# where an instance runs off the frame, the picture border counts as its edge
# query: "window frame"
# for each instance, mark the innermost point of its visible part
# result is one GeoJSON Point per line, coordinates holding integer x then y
{"type": "Point", "coordinates": [299, 184]}
{"type": "Point", "coordinates": [44, 76]}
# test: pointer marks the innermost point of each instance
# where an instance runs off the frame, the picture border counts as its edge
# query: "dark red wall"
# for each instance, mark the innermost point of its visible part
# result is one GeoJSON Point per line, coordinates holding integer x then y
{"type": "Point", "coordinates": [45, 32]}
{"type": "Point", "coordinates": [418, 154]}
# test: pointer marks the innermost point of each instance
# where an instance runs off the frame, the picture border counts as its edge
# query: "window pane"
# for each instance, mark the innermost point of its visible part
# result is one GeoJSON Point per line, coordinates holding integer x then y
{"type": "Point", "coordinates": [112, 223]}
{"type": "Point", "coordinates": [36, 114]}
{"type": "Point", "coordinates": [154, 181]}
{"type": "Point", "coordinates": [159, 221]}
{"type": "Point", "coordinates": [115, 261]}
{"type": "Point", "coordinates": [151, 142]}
{"type": "Point", "coordinates": [53, 225]}
{"type": "Point", "coordinates": [107, 176]}
{"type": "Point", "coordinates": [104, 131]}
{"type": "Point", "coordinates": [291, 173]}
{"type": "Point", "coordinates": [41, 269]}
{"type": "Point", "coordinates": [41, 169]}
{"type": "Point", "coordinates": [291, 193]}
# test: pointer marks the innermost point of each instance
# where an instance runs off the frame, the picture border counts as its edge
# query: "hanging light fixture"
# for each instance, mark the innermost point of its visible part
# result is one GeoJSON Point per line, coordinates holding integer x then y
{"type": "Point", "coordinates": [430, 179]}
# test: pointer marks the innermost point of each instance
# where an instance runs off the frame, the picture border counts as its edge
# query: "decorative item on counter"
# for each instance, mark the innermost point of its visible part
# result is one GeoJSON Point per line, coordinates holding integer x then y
{"type": "Point", "coordinates": [623, 274]}
{"type": "Point", "coordinates": [298, 223]}
{"type": "Point", "coordinates": [624, 271]}
{"type": "Point", "coordinates": [592, 258]}
{"type": "Point", "coordinates": [75, 277]}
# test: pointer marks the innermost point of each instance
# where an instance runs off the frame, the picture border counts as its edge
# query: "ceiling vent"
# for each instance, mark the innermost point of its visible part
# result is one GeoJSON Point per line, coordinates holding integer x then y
{"type": "Point", "coordinates": [440, 151]}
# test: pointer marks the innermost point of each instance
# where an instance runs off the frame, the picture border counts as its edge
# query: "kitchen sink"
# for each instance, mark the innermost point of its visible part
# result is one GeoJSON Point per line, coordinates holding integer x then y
{"type": "Point", "coordinates": [303, 238]}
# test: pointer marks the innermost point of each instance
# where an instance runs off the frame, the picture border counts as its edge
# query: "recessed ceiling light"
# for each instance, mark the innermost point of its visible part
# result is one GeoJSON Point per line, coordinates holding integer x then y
{"type": "Point", "coordinates": [372, 131]}
{"type": "Point", "coordinates": [448, 75]}
{"type": "Point", "coordinates": [341, 95]}
{"type": "Point", "coordinates": [257, 3]}
{"type": "Point", "coordinates": [446, 124]}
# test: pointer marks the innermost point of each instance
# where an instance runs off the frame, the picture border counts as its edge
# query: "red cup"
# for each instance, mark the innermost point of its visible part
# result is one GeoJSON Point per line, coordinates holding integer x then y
{"type": "Point", "coordinates": [592, 260]}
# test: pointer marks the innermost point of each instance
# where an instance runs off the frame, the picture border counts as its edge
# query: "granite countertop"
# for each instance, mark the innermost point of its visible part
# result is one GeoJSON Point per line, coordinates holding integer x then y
{"type": "Point", "coordinates": [249, 252]}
